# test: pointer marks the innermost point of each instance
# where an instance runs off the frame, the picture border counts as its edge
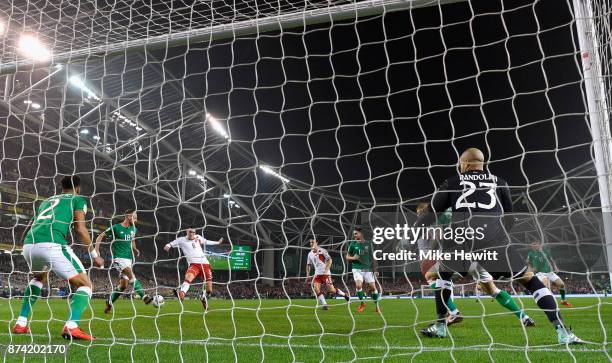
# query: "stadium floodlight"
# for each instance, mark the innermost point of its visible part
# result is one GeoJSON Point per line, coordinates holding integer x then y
{"type": "Point", "coordinates": [126, 121]}
{"type": "Point", "coordinates": [85, 131]}
{"type": "Point", "coordinates": [96, 137]}
{"type": "Point", "coordinates": [269, 170]}
{"type": "Point", "coordinates": [192, 172]}
{"type": "Point", "coordinates": [34, 105]}
{"type": "Point", "coordinates": [31, 47]}
{"type": "Point", "coordinates": [78, 82]}
{"type": "Point", "coordinates": [226, 195]}
{"type": "Point", "coordinates": [216, 125]}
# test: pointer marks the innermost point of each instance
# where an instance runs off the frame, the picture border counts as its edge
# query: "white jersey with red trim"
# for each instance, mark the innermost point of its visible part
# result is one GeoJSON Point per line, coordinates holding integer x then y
{"type": "Point", "coordinates": [192, 248]}
{"type": "Point", "coordinates": [318, 260]}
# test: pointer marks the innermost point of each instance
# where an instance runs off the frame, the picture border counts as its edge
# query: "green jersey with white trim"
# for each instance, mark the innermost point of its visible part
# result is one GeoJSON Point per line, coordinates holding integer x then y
{"type": "Point", "coordinates": [364, 250]}
{"type": "Point", "coordinates": [122, 237]}
{"type": "Point", "coordinates": [540, 260]}
{"type": "Point", "coordinates": [53, 218]}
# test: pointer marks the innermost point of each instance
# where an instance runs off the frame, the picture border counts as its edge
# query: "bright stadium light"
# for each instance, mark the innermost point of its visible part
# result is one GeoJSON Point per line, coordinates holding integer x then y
{"type": "Point", "coordinates": [78, 82]}
{"type": "Point", "coordinates": [192, 172]}
{"type": "Point", "coordinates": [96, 137]}
{"type": "Point", "coordinates": [270, 171]}
{"type": "Point", "coordinates": [226, 195]}
{"type": "Point", "coordinates": [217, 126]}
{"type": "Point", "coordinates": [126, 121]}
{"type": "Point", "coordinates": [85, 131]}
{"type": "Point", "coordinates": [31, 47]}
{"type": "Point", "coordinates": [34, 105]}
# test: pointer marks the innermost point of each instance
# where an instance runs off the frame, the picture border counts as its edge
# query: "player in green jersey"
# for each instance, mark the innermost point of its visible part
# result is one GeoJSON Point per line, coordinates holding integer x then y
{"type": "Point", "coordinates": [123, 248]}
{"type": "Point", "coordinates": [541, 262]}
{"type": "Point", "coordinates": [364, 267]}
{"type": "Point", "coordinates": [46, 249]}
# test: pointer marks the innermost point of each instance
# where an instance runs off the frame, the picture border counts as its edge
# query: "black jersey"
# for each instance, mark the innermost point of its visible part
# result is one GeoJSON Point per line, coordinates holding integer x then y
{"type": "Point", "coordinates": [473, 192]}
{"type": "Point", "coordinates": [481, 201]}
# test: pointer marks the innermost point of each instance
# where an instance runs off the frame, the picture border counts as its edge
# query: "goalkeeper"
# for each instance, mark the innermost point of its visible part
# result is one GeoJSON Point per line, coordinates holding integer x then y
{"type": "Point", "coordinates": [483, 278]}
{"type": "Point", "coordinates": [481, 200]}
{"type": "Point", "coordinates": [364, 267]}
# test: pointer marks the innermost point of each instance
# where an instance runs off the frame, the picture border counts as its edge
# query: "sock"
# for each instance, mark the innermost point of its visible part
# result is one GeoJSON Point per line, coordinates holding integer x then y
{"type": "Point", "coordinates": [545, 300]}
{"type": "Point", "coordinates": [442, 294]}
{"type": "Point", "coordinates": [137, 287]}
{"type": "Point", "coordinates": [30, 296]}
{"type": "Point", "coordinates": [322, 299]}
{"type": "Point", "coordinates": [360, 294]}
{"type": "Point", "coordinates": [340, 292]}
{"type": "Point", "coordinates": [441, 309]}
{"type": "Point", "coordinates": [78, 304]}
{"type": "Point", "coordinates": [375, 296]}
{"type": "Point", "coordinates": [562, 292]}
{"type": "Point", "coordinates": [450, 303]}
{"type": "Point", "coordinates": [504, 299]}
{"type": "Point", "coordinates": [185, 286]}
{"type": "Point", "coordinates": [115, 295]}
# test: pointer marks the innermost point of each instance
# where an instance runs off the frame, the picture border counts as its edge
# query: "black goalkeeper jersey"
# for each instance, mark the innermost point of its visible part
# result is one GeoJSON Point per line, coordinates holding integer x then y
{"type": "Point", "coordinates": [479, 201]}
{"type": "Point", "coordinates": [472, 193]}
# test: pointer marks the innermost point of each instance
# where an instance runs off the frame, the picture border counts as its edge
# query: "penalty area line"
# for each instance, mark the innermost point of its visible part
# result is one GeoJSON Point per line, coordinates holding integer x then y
{"type": "Point", "coordinates": [226, 343]}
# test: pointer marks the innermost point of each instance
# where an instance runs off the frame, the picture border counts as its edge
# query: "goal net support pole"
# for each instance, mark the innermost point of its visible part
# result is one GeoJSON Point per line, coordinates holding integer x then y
{"type": "Point", "coordinates": [598, 112]}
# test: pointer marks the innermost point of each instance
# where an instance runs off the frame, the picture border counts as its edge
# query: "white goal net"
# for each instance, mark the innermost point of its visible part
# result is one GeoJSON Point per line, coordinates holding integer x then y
{"type": "Point", "coordinates": [262, 124]}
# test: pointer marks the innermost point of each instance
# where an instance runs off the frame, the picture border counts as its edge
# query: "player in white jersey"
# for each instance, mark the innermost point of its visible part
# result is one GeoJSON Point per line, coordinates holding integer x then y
{"type": "Point", "coordinates": [191, 246]}
{"type": "Point", "coordinates": [322, 261]}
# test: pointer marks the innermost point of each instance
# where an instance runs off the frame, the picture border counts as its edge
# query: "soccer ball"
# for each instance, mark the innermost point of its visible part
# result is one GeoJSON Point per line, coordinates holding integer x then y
{"type": "Point", "coordinates": [158, 301]}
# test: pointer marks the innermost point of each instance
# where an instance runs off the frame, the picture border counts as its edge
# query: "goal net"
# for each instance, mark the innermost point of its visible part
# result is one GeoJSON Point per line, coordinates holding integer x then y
{"type": "Point", "coordinates": [260, 125]}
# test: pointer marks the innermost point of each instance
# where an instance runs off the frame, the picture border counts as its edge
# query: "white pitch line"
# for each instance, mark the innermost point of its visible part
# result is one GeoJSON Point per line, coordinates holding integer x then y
{"type": "Point", "coordinates": [227, 343]}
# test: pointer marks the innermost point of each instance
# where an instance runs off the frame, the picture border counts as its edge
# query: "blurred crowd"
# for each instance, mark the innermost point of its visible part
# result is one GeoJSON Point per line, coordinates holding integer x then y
{"type": "Point", "coordinates": [163, 282]}
{"type": "Point", "coordinates": [32, 178]}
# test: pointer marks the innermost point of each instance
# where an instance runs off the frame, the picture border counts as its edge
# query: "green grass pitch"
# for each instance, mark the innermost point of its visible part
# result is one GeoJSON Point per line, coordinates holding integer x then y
{"type": "Point", "coordinates": [294, 331]}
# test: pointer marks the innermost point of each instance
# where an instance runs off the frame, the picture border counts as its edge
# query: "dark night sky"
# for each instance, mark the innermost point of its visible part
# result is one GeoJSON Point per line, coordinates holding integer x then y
{"type": "Point", "coordinates": [384, 105]}
{"type": "Point", "coordinates": [353, 106]}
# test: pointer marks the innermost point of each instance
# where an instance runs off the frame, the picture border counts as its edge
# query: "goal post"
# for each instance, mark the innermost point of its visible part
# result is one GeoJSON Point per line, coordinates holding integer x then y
{"type": "Point", "coordinates": [592, 50]}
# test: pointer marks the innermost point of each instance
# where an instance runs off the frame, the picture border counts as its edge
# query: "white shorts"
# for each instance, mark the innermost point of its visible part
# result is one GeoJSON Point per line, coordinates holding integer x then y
{"type": "Point", "coordinates": [120, 264]}
{"type": "Point", "coordinates": [363, 276]}
{"type": "Point", "coordinates": [478, 273]}
{"type": "Point", "coordinates": [551, 276]}
{"type": "Point", "coordinates": [47, 256]}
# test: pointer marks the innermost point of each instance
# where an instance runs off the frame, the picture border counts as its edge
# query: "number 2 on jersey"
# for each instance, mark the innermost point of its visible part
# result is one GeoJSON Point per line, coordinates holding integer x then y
{"type": "Point", "coordinates": [43, 214]}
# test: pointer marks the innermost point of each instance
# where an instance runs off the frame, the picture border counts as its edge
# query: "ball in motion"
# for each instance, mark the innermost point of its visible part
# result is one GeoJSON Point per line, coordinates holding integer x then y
{"type": "Point", "coordinates": [158, 301]}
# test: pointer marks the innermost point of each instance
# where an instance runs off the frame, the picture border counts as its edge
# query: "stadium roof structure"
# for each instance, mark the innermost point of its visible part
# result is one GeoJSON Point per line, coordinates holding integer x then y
{"type": "Point", "coordinates": [129, 106]}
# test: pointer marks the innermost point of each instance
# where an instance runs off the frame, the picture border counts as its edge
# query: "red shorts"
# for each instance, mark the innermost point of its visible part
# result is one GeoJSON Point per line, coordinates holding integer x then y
{"type": "Point", "coordinates": [322, 279]}
{"type": "Point", "coordinates": [202, 270]}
